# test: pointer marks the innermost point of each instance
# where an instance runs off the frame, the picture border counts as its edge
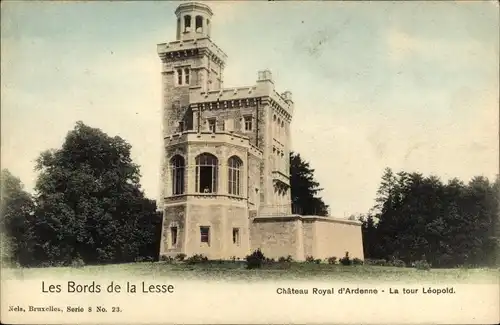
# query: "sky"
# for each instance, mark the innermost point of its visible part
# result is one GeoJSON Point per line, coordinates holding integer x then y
{"type": "Point", "coordinates": [413, 86]}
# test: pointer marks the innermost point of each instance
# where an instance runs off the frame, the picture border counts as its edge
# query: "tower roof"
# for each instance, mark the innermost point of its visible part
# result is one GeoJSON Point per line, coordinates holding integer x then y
{"type": "Point", "coordinates": [191, 6]}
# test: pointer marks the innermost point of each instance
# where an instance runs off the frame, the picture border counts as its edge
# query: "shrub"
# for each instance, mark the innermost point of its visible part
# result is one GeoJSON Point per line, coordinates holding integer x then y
{"type": "Point", "coordinates": [197, 258]}
{"type": "Point", "coordinates": [288, 259]}
{"type": "Point", "coordinates": [144, 259]}
{"type": "Point", "coordinates": [379, 262]}
{"type": "Point", "coordinates": [397, 263]}
{"type": "Point", "coordinates": [310, 259]}
{"type": "Point", "coordinates": [77, 262]}
{"type": "Point", "coordinates": [255, 260]}
{"type": "Point", "coordinates": [180, 257]}
{"type": "Point", "coordinates": [346, 260]}
{"type": "Point", "coordinates": [357, 261]}
{"type": "Point", "coordinates": [167, 259]}
{"type": "Point", "coordinates": [332, 260]}
{"type": "Point", "coordinates": [317, 261]}
{"type": "Point", "coordinates": [422, 265]}
{"type": "Point", "coordinates": [270, 260]}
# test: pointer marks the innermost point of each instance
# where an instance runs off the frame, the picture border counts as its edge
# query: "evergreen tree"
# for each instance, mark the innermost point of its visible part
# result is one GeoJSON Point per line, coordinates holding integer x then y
{"type": "Point", "coordinates": [304, 188]}
{"type": "Point", "coordinates": [449, 224]}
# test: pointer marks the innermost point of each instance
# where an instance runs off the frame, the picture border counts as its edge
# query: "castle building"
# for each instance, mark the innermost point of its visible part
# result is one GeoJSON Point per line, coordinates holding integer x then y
{"type": "Point", "coordinates": [226, 175]}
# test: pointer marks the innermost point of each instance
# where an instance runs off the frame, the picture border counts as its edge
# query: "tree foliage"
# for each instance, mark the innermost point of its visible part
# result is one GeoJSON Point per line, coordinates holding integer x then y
{"type": "Point", "coordinates": [15, 216]}
{"type": "Point", "coordinates": [89, 204]}
{"type": "Point", "coordinates": [304, 188]}
{"type": "Point", "coordinates": [449, 224]}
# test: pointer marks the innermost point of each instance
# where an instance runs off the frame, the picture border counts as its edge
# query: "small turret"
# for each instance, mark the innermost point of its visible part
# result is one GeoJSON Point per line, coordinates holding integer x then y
{"type": "Point", "coordinates": [265, 75]}
{"type": "Point", "coordinates": [193, 21]}
{"type": "Point", "coordinates": [287, 96]}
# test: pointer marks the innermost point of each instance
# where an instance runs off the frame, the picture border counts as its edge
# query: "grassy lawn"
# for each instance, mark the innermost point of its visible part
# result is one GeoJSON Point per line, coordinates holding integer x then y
{"type": "Point", "coordinates": [236, 271]}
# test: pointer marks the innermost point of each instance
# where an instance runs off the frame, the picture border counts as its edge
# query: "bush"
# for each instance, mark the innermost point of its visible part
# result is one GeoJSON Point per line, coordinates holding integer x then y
{"type": "Point", "coordinates": [166, 259]}
{"type": "Point", "coordinates": [332, 260]}
{"type": "Point", "coordinates": [180, 257]}
{"type": "Point", "coordinates": [140, 259]}
{"type": "Point", "coordinates": [255, 260]}
{"type": "Point", "coordinates": [310, 259]}
{"type": "Point", "coordinates": [357, 261]}
{"type": "Point", "coordinates": [379, 262]}
{"type": "Point", "coordinates": [77, 262]}
{"type": "Point", "coordinates": [197, 258]}
{"type": "Point", "coordinates": [422, 265]}
{"type": "Point", "coordinates": [346, 260]}
{"type": "Point", "coordinates": [397, 263]}
{"type": "Point", "coordinates": [288, 259]}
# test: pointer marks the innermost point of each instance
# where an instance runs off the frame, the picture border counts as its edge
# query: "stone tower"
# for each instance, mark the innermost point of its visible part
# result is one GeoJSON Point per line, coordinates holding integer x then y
{"type": "Point", "coordinates": [225, 149]}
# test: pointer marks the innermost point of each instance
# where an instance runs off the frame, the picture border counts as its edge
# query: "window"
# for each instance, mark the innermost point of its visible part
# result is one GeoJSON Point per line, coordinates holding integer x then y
{"type": "Point", "coordinates": [179, 76]}
{"type": "Point", "coordinates": [181, 126]}
{"type": "Point", "coordinates": [186, 76]}
{"type": "Point", "coordinates": [236, 236]}
{"type": "Point", "coordinates": [187, 23]}
{"type": "Point", "coordinates": [248, 123]}
{"type": "Point", "coordinates": [205, 234]}
{"type": "Point", "coordinates": [234, 175]}
{"type": "Point", "coordinates": [199, 24]}
{"type": "Point", "coordinates": [173, 235]}
{"type": "Point", "coordinates": [178, 28]}
{"type": "Point", "coordinates": [177, 165]}
{"type": "Point", "coordinates": [206, 173]}
{"type": "Point", "coordinates": [211, 124]}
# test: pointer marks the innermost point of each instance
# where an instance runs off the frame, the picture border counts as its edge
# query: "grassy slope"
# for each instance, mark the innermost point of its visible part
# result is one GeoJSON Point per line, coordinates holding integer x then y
{"type": "Point", "coordinates": [228, 271]}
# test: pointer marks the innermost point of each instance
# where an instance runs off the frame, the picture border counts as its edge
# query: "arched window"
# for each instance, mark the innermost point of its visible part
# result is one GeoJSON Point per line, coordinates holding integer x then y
{"type": "Point", "coordinates": [178, 166]}
{"type": "Point", "coordinates": [234, 175]}
{"type": "Point", "coordinates": [199, 24]}
{"type": "Point", "coordinates": [206, 173]}
{"type": "Point", "coordinates": [187, 23]}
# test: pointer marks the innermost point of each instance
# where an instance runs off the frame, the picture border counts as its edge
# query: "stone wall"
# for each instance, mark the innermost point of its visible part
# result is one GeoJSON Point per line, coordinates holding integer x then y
{"type": "Point", "coordinates": [303, 236]}
{"type": "Point", "coordinates": [335, 237]}
{"type": "Point", "coordinates": [276, 237]}
{"type": "Point", "coordinates": [221, 219]}
{"type": "Point", "coordinates": [173, 216]}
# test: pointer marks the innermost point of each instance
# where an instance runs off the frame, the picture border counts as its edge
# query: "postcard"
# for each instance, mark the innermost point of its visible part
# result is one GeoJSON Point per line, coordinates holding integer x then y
{"type": "Point", "coordinates": [250, 162]}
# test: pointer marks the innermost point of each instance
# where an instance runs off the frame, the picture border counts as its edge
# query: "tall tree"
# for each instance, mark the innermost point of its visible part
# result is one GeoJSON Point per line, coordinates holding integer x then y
{"type": "Point", "coordinates": [15, 217]}
{"type": "Point", "coordinates": [89, 202]}
{"type": "Point", "coordinates": [449, 224]}
{"type": "Point", "coordinates": [304, 188]}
